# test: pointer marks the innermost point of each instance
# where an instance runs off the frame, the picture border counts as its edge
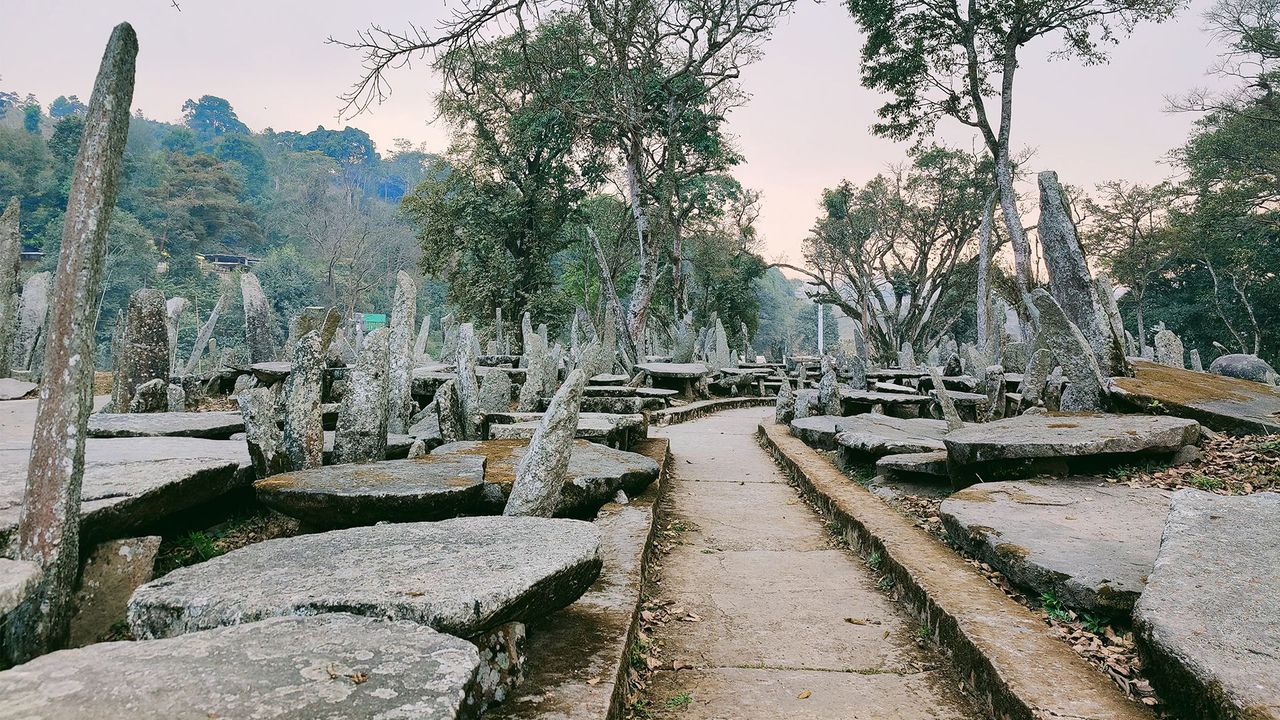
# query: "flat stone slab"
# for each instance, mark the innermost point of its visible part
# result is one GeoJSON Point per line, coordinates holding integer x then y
{"type": "Point", "coordinates": [210, 425]}
{"type": "Point", "coordinates": [328, 667]}
{"type": "Point", "coordinates": [17, 577]}
{"type": "Point", "coordinates": [596, 472]}
{"type": "Point", "coordinates": [897, 374]}
{"type": "Point", "coordinates": [674, 370]}
{"type": "Point", "coordinates": [890, 387]}
{"type": "Point", "coordinates": [397, 445]}
{"type": "Point", "coordinates": [462, 576]}
{"type": "Point", "coordinates": [609, 379]}
{"type": "Point", "coordinates": [819, 431]}
{"type": "Point", "coordinates": [11, 389]}
{"type": "Point", "coordinates": [1206, 622]}
{"type": "Point", "coordinates": [618, 431]}
{"type": "Point", "coordinates": [867, 397]}
{"type": "Point", "coordinates": [132, 482]}
{"type": "Point", "coordinates": [870, 436]}
{"type": "Point", "coordinates": [1089, 543]}
{"type": "Point", "coordinates": [1222, 403]}
{"type": "Point", "coordinates": [1070, 436]}
{"type": "Point", "coordinates": [269, 373]}
{"type": "Point", "coordinates": [913, 466]}
{"type": "Point", "coordinates": [336, 496]}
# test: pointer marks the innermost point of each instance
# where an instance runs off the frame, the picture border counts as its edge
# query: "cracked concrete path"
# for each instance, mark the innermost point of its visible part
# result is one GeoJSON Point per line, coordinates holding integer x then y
{"type": "Point", "coordinates": [791, 626]}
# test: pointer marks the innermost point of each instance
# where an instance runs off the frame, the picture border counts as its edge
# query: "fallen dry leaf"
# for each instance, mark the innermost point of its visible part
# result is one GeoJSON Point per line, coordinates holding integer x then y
{"type": "Point", "coordinates": [804, 695]}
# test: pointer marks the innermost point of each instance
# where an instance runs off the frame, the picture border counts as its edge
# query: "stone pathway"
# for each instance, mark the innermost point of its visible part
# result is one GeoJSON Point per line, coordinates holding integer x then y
{"type": "Point", "coordinates": [789, 625]}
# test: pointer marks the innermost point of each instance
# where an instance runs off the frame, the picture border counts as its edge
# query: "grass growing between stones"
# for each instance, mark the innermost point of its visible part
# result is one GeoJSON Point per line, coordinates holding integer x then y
{"type": "Point", "coordinates": [240, 530]}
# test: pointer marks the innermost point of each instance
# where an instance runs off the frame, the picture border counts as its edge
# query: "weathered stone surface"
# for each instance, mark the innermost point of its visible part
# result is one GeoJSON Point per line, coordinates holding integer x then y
{"type": "Point", "coordinates": [1089, 543]}
{"type": "Point", "coordinates": [151, 396]}
{"type": "Point", "coordinates": [11, 389]}
{"type": "Point", "coordinates": [1037, 374]}
{"type": "Point", "coordinates": [943, 396]}
{"type": "Point", "coordinates": [48, 532]}
{"type": "Point", "coordinates": [144, 348]}
{"type": "Point", "coordinates": [1070, 436]}
{"type": "Point", "coordinates": [855, 402]}
{"type": "Point", "coordinates": [907, 357]}
{"type": "Point", "coordinates": [829, 388]}
{"type": "Point", "coordinates": [174, 307]}
{"type": "Point", "coordinates": [540, 474]}
{"type": "Point", "coordinates": [420, 489]}
{"type": "Point", "coordinates": [129, 482]}
{"type": "Point", "coordinates": [210, 425]}
{"type": "Point", "coordinates": [362, 421]}
{"type": "Point", "coordinates": [1057, 334]}
{"type": "Point", "coordinates": [502, 663]}
{"type": "Point", "coordinates": [495, 393]}
{"type": "Point", "coordinates": [1196, 363]}
{"type": "Point", "coordinates": [594, 476]}
{"type": "Point", "coordinates": [1222, 403]}
{"type": "Point", "coordinates": [33, 310]}
{"type": "Point", "coordinates": [674, 370]}
{"type": "Point", "coordinates": [994, 384]}
{"type": "Point", "coordinates": [17, 578]}
{"type": "Point", "coordinates": [113, 571]}
{"type": "Point", "coordinates": [10, 255]}
{"type": "Point", "coordinates": [1169, 350]}
{"type": "Point", "coordinates": [913, 466]}
{"type": "Point", "coordinates": [618, 431]}
{"type": "Point", "coordinates": [400, 354]}
{"type": "Point", "coordinates": [1070, 283]}
{"type": "Point", "coordinates": [536, 360]}
{"type": "Point", "coordinates": [420, 343]}
{"type": "Point", "coordinates": [303, 419]}
{"type": "Point", "coordinates": [1207, 618]}
{"type": "Point", "coordinates": [460, 576]}
{"type": "Point", "coordinates": [257, 319]}
{"type": "Point", "coordinates": [329, 667]}
{"type": "Point", "coordinates": [262, 432]}
{"type": "Point", "coordinates": [466, 382]}
{"type": "Point", "coordinates": [785, 409]}
{"type": "Point", "coordinates": [1244, 367]}
{"type": "Point", "coordinates": [819, 431]}
{"type": "Point", "coordinates": [870, 436]}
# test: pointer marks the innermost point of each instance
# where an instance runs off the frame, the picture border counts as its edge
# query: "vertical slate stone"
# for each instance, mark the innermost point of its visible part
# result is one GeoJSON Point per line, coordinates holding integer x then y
{"type": "Point", "coordinates": [145, 347]}
{"type": "Point", "coordinates": [362, 420]}
{"type": "Point", "coordinates": [303, 419]}
{"type": "Point", "coordinates": [48, 526]}
{"type": "Point", "coordinates": [1085, 382]}
{"type": "Point", "coordinates": [540, 474]}
{"type": "Point", "coordinates": [257, 320]}
{"type": "Point", "coordinates": [33, 312]}
{"type": "Point", "coordinates": [10, 255]}
{"type": "Point", "coordinates": [205, 334]}
{"type": "Point", "coordinates": [468, 384]}
{"type": "Point", "coordinates": [400, 363]}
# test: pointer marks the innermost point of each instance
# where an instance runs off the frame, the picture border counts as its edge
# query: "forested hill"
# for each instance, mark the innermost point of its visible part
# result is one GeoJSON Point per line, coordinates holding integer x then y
{"type": "Point", "coordinates": [317, 212]}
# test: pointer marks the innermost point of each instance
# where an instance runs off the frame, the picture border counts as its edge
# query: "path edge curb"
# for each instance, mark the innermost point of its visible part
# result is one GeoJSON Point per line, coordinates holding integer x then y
{"type": "Point", "coordinates": [1003, 653]}
{"type": "Point", "coordinates": [703, 408]}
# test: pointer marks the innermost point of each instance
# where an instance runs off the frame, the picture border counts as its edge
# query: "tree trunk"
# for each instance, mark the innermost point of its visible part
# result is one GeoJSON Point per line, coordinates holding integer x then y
{"type": "Point", "coordinates": [49, 524]}
{"type": "Point", "coordinates": [984, 279]}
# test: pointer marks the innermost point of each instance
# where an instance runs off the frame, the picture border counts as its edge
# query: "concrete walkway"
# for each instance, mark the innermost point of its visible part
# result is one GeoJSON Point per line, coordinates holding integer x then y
{"type": "Point", "coordinates": [791, 626]}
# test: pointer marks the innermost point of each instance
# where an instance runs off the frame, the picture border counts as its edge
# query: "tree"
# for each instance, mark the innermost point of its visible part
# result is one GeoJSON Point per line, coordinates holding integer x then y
{"type": "Point", "coordinates": [896, 253]}
{"type": "Point", "coordinates": [948, 59]}
{"type": "Point", "coordinates": [648, 63]}
{"type": "Point", "coordinates": [1129, 231]}
{"type": "Point", "coordinates": [31, 118]}
{"type": "Point", "coordinates": [198, 209]}
{"type": "Point", "coordinates": [211, 117]}
{"type": "Point", "coordinates": [64, 106]}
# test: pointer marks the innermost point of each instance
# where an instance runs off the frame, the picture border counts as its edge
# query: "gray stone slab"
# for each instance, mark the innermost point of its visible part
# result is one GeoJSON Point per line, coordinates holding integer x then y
{"type": "Point", "coordinates": [674, 370]}
{"type": "Point", "coordinates": [1207, 620]}
{"type": "Point", "coordinates": [462, 576]}
{"type": "Point", "coordinates": [1070, 436]}
{"type": "Point", "coordinates": [1090, 543]}
{"type": "Point", "coordinates": [397, 446]}
{"type": "Point", "coordinates": [329, 667]}
{"type": "Point", "coordinates": [269, 373]}
{"type": "Point", "coordinates": [11, 389]}
{"type": "Point", "coordinates": [17, 577]}
{"type": "Point", "coordinates": [132, 482]}
{"type": "Point", "coordinates": [819, 431]}
{"type": "Point", "coordinates": [1222, 403]}
{"type": "Point", "coordinates": [596, 472]}
{"type": "Point", "coordinates": [870, 436]}
{"type": "Point", "coordinates": [336, 496]}
{"type": "Point", "coordinates": [618, 431]}
{"type": "Point", "coordinates": [913, 466]}
{"type": "Point", "coordinates": [210, 425]}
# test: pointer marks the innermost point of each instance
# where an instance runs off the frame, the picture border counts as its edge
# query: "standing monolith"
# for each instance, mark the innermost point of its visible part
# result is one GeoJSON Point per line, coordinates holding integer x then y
{"type": "Point", "coordinates": [907, 357]}
{"type": "Point", "coordinates": [262, 432]}
{"type": "Point", "coordinates": [541, 472]}
{"type": "Point", "coordinates": [144, 349]}
{"type": "Point", "coordinates": [829, 389]}
{"type": "Point", "coordinates": [1169, 350]}
{"type": "Point", "coordinates": [10, 255]}
{"type": "Point", "coordinates": [205, 334]}
{"type": "Point", "coordinates": [1085, 391]}
{"type": "Point", "coordinates": [949, 412]}
{"type": "Point", "coordinates": [993, 381]}
{"type": "Point", "coordinates": [468, 384]}
{"type": "Point", "coordinates": [49, 522]}
{"type": "Point", "coordinates": [303, 419]}
{"type": "Point", "coordinates": [420, 343]}
{"type": "Point", "coordinates": [495, 392]}
{"type": "Point", "coordinates": [536, 361]}
{"type": "Point", "coordinates": [1070, 283]}
{"type": "Point", "coordinates": [400, 363]}
{"type": "Point", "coordinates": [257, 320]}
{"type": "Point", "coordinates": [785, 410]}
{"type": "Point", "coordinates": [33, 314]}
{"type": "Point", "coordinates": [1196, 363]}
{"type": "Point", "coordinates": [362, 420]}
{"type": "Point", "coordinates": [174, 307]}
{"type": "Point", "coordinates": [1035, 376]}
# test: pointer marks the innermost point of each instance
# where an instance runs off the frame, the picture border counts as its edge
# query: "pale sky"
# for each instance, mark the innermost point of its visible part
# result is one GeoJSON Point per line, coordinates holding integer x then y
{"type": "Point", "coordinates": [804, 129]}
